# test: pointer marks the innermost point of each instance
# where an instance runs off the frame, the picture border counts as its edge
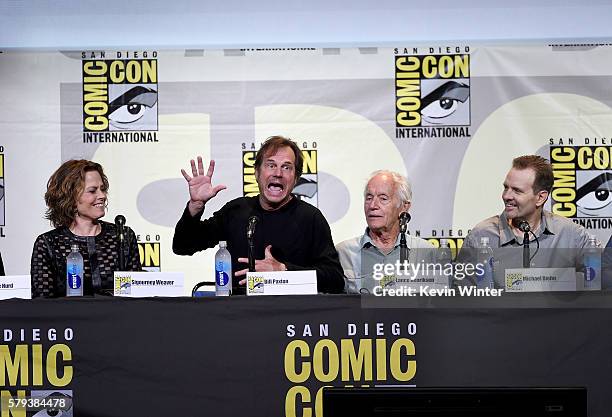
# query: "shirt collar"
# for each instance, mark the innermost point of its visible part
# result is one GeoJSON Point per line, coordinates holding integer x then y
{"type": "Point", "coordinates": [366, 240]}
{"type": "Point", "coordinates": [506, 235]}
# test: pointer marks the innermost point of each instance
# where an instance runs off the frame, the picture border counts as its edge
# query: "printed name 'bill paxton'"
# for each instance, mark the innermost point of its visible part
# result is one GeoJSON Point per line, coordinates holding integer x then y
{"type": "Point", "coordinates": [582, 187]}
{"type": "Point", "coordinates": [119, 97]}
{"type": "Point", "coordinates": [432, 92]}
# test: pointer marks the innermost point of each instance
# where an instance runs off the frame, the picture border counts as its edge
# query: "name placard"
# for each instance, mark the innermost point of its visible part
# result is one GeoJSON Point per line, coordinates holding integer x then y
{"type": "Point", "coordinates": [540, 279]}
{"type": "Point", "coordinates": [282, 283]}
{"type": "Point", "coordinates": [15, 286]}
{"type": "Point", "coordinates": [149, 284]}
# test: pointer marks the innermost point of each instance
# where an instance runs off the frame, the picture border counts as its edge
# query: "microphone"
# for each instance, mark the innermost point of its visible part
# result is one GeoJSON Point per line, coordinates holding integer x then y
{"type": "Point", "coordinates": [120, 223]}
{"type": "Point", "coordinates": [251, 226]}
{"type": "Point", "coordinates": [404, 218]}
{"type": "Point", "coordinates": [524, 226]}
{"type": "Point", "coordinates": [250, 234]}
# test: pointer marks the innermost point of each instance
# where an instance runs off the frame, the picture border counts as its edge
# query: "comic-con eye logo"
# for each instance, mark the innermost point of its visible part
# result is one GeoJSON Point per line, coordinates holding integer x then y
{"type": "Point", "coordinates": [582, 187]}
{"type": "Point", "coordinates": [119, 95]}
{"type": "Point", "coordinates": [432, 91]}
{"type": "Point", "coordinates": [306, 188]}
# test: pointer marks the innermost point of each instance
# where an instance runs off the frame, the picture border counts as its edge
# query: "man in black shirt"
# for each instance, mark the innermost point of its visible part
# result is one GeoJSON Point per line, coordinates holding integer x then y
{"type": "Point", "coordinates": [290, 235]}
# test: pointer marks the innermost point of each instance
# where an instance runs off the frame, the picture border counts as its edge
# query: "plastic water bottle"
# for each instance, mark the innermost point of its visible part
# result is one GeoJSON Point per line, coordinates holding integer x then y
{"type": "Point", "coordinates": [444, 258]}
{"type": "Point", "coordinates": [484, 279]}
{"type": "Point", "coordinates": [592, 264]}
{"type": "Point", "coordinates": [74, 272]}
{"type": "Point", "coordinates": [223, 271]}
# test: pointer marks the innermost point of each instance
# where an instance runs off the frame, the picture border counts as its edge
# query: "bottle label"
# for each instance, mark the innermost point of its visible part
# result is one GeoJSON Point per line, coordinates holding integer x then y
{"type": "Point", "coordinates": [74, 281]}
{"type": "Point", "coordinates": [221, 278]}
{"type": "Point", "coordinates": [221, 274]}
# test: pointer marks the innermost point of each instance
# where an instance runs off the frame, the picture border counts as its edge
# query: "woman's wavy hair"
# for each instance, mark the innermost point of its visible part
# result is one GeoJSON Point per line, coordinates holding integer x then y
{"type": "Point", "coordinates": [64, 188]}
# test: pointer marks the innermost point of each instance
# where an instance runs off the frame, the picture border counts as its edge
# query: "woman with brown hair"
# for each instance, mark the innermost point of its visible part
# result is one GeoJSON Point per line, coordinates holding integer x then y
{"type": "Point", "coordinates": [76, 199]}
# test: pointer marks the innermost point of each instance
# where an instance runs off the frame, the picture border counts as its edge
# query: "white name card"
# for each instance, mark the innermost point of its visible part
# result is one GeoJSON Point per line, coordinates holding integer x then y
{"type": "Point", "coordinates": [282, 283]}
{"type": "Point", "coordinates": [438, 281]}
{"type": "Point", "coordinates": [540, 279]}
{"type": "Point", "coordinates": [15, 286]}
{"type": "Point", "coordinates": [149, 284]}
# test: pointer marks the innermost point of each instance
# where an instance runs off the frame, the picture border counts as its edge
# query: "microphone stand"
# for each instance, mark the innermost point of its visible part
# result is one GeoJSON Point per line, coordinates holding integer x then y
{"type": "Point", "coordinates": [120, 222]}
{"type": "Point", "coordinates": [250, 234]}
{"type": "Point", "coordinates": [251, 254]}
{"type": "Point", "coordinates": [526, 263]}
{"type": "Point", "coordinates": [404, 251]}
{"type": "Point", "coordinates": [121, 252]}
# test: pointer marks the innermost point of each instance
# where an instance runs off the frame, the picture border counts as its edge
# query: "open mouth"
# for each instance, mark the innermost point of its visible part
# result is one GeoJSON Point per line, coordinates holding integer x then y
{"type": "Point", "coordinates": [275, 188]}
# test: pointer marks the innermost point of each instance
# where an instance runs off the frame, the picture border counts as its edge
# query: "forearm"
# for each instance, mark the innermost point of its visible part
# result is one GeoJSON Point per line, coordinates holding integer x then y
{"type": "Point", "coordinates": [192, 235]}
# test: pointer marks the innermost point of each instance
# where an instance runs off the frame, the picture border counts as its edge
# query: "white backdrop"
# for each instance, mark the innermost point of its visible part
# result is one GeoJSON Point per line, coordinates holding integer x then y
{"type": "Point", "coordinates": [340, 105]}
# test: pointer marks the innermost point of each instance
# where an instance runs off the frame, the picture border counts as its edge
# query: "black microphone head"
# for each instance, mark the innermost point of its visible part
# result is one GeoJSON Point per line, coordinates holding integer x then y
{"type": "Point", "coordinates": [524, 226]}
{"type": "Point", "coordinates": [404, 217]}
{"type": "Point", "coordinates": [251, 226]}
{"type": "Point", "coordinates": [119, 220]}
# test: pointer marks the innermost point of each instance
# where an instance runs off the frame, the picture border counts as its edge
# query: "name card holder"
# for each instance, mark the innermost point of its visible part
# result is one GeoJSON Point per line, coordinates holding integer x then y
{"type": "Point", "coordinates": [149, 284]}
{"type": "Point", "coordinates": [15, 286]}
{"type": "Point", "coordinates": [540, 279]}
{"type": "Point", "coordinates": [282, 283]}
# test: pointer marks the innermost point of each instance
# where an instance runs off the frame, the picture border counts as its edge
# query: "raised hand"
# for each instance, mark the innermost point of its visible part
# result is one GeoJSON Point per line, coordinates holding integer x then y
{"type": "Point", "coordinates": [200, 186]}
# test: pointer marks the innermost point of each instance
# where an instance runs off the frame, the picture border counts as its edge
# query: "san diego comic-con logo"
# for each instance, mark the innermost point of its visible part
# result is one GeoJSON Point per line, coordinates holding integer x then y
{"type": "Point", "coordinates": [119, 97]}
{"type": "Point", "coordinates": [37, 371]}
{"type": "Point", "coordinates": [255, 285]}
{"type": "Point", "coordinates": [432, 92]}
{"type": "Point", "coordinates": [307, 186]}
{"type": "Point", "coordinates": [149, 250]}
{"type": "Point", "coordinates": [350, 354]}
{"type": "Point", "coordinates": [582, 187]}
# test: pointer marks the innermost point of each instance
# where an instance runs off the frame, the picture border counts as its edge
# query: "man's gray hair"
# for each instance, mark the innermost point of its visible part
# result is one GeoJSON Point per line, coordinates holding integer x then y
{"type": "Point", "coordinates": [402, 185]}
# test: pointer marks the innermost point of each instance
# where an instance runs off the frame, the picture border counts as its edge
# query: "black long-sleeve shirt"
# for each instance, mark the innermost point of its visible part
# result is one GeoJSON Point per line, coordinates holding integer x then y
{"type": "Point", "coordinates": [299, 234]}
{"type": "Point", "coordinates": [100, 260]}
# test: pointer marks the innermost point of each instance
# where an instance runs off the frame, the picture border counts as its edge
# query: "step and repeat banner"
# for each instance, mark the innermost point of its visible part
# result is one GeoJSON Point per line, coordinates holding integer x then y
{"type": "Point", "coordinates": [450, 117]}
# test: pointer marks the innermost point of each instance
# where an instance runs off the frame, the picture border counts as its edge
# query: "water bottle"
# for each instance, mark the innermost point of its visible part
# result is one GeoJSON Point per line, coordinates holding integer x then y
{"type": "Point", "coordinates": [223, 271]}
{"type": "Point", "coordinates": [592, 265]}
{"type": "Point", "coordinates": [74, 272]}
{"type": "Point", "coordinates": [484, 277]}
{"type": "Point", "coordinates": [444, 258]}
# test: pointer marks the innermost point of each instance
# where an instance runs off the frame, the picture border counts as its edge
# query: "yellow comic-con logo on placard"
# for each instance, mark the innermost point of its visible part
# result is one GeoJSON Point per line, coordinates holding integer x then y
{"type": "Point", "coordinates": [123, 284]}
{"type": "Point", "coordinates": [255, 285]}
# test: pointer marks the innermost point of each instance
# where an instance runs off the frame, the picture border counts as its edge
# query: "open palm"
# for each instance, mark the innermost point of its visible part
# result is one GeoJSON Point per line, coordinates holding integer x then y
{"type": "Point", "coordinates": [200, 185]}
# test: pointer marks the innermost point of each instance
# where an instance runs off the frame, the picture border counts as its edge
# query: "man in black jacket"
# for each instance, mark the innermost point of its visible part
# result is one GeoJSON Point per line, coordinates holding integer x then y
{"type": "Point", "coordinates": [291, 234]}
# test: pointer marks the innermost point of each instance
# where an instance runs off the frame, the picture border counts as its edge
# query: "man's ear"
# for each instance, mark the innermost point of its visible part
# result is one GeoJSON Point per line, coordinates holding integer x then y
{"type": "Point", "coordinates": [406, 206]}
{"type": "Point", "coordinates": [542, 197]}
